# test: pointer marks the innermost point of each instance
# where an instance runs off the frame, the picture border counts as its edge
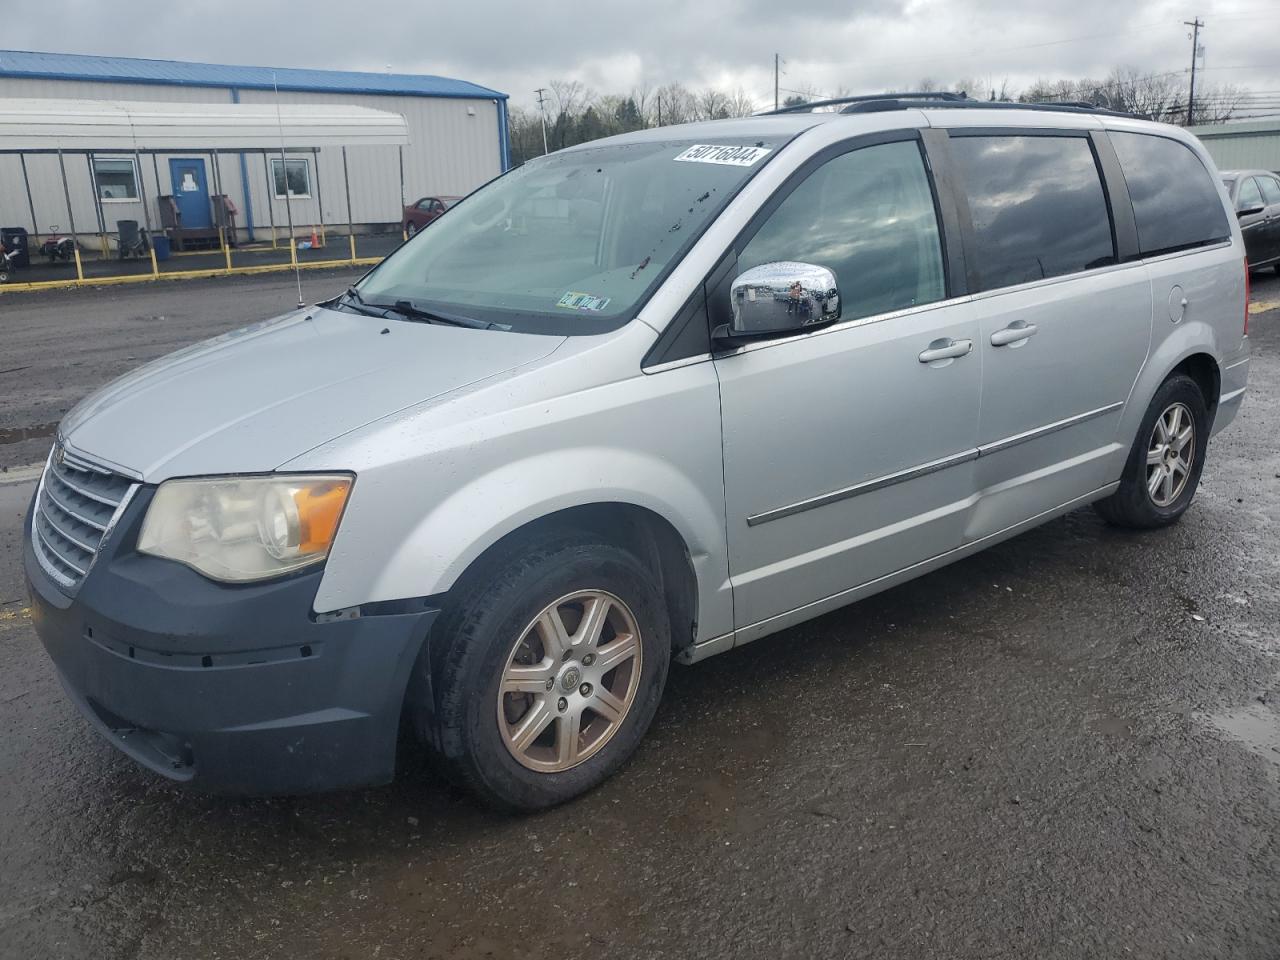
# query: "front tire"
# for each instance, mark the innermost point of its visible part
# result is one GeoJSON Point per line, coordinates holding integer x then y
{"type": "Point", "coordinates": [1163, 470]}
{"type": "Point", "coordinates": [411, 230]}
{"type": "Point", "coordinates": [547, 670]}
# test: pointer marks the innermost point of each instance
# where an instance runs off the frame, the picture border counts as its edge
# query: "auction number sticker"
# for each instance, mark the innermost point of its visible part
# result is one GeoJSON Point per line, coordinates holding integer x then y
{"type": "Point", "coordinates": [573, 300]}
{"type": "Point", "coordinates": [729, 156]}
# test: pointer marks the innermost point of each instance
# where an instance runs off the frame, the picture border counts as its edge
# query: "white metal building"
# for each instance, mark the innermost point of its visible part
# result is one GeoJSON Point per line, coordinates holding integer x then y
{"type": "Point", "coordinates": [1247, 145]}
{"type": "Point", "coordinates": [457, 140]}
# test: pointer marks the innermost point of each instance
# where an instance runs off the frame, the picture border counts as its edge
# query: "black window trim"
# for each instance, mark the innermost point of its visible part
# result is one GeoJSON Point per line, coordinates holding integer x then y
{"type": "Point", "coordinates": [1214, 180]}
{"type": "Point", "coordinates": [1124, 234]}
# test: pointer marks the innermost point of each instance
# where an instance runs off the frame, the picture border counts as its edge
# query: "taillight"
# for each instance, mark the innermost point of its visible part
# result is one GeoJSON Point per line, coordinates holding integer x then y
{"type": "Point", "coordinates": [1246, 296]}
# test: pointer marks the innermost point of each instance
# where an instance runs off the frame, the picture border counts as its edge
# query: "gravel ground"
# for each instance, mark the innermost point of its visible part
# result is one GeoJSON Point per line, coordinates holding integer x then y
{"type": "Point", "coordinates": [1066, 746]}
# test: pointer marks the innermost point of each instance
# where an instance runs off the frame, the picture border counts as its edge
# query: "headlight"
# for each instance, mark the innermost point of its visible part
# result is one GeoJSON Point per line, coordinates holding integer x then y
{"type": "Point", "coordinates": [239, 529]}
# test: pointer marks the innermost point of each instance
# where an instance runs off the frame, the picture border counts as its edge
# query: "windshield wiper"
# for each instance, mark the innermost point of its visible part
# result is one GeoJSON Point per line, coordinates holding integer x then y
{"type": "Point", "coordinates": [407, 309]}
{"type": "Point", "coordinates": [351, 300]}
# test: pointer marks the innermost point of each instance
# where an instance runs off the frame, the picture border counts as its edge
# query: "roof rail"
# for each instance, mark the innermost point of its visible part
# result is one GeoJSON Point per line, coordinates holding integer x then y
{"type": "Point", "coordinates": [878, 103]}
{"type": "Point", "coordinates": [865, 98]}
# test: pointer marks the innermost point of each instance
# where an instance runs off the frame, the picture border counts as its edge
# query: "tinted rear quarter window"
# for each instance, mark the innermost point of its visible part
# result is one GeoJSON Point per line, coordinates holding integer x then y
{"type": "Point", "coordinates": [1270, 189]}
{"type": "Point", "coordinates": [1249, 196]}
{"type": "Point", "coordinates": [1174, 198]}
{"type": "Point", "coordinates": [1037, 206]}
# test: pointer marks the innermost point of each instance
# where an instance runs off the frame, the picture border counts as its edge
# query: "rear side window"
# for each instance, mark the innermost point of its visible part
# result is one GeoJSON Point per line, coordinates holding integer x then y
{"type": "Point", "coordinates": [1174, 198]}
{"type": "Point", "coordinates": [1037, 206]}
{"type": "Point", "coordinates": [1270, 189]}
{"type": "Point", "coordinates": [1250, 196]}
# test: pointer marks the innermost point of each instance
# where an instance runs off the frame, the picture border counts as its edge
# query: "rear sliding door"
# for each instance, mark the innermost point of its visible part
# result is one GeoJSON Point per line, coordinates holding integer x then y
{"type": "Point", "coordinates": [1064, 323]}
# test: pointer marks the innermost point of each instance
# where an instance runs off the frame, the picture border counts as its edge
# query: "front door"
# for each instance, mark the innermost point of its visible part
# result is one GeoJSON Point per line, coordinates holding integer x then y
{"type": "Point", "coordinates": [191, 190]}
{"type": "Point", "coordinates": [847, 454]}
{"type": "Point", "coordinates": [1064, 328]}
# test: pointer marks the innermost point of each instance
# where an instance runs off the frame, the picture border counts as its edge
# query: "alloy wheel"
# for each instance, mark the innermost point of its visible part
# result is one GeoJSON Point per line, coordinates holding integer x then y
{"type": "Point", "coordinates": [1170, 454]}
{"type": "Point", "coordinates": [569, 681]}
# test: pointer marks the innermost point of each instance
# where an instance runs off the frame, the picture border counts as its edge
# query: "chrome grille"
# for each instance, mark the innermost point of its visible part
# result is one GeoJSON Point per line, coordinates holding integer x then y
{"type": "Point", "coordinates": [76, 507]}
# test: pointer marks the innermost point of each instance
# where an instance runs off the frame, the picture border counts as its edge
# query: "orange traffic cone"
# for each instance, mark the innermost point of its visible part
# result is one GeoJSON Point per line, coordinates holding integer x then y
{"type": "Point", "coordinates": [315, 239]}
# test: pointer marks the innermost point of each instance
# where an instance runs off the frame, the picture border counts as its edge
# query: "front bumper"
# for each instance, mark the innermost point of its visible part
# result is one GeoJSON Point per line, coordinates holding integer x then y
{"type": "Point", "coordinates": [233, 689]}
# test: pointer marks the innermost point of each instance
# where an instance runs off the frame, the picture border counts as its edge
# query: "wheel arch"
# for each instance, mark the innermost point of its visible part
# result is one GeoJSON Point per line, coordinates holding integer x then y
{"type": "Point", "coordinates": [645, 533]}
{"type": "Point", "coordinates": [1192, 350]}
{"type": "Point", "coordinates": [1204, 370]}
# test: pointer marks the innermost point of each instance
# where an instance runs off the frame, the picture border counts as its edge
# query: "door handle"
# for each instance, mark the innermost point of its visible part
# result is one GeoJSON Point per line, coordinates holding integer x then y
{"type": "Point", "coordinates": [946, 349]}
{"type": "Point", "coordinates": [1013, 333]}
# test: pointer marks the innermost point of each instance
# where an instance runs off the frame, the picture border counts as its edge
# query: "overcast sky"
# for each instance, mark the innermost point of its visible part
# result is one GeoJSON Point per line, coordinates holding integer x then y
{"type": "Point", "coordinates": [515, 45]}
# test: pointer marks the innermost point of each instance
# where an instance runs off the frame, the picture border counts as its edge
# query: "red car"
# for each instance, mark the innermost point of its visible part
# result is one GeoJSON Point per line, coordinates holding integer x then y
{"type": "Point", "coordinates": [418, 215]}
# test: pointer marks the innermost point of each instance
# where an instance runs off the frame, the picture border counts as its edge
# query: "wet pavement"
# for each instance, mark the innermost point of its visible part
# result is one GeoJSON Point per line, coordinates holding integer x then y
{"type": "Point", "coordinates": [1066, 746]}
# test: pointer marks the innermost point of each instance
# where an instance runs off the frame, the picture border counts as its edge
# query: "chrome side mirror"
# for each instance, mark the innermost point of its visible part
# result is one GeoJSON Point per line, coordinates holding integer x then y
{"type": "Point", "coordinates": [781, 297]}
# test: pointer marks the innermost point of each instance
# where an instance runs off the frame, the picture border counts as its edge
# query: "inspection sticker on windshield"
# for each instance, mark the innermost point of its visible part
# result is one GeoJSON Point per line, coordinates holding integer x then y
{"type": "Point", "coordinates": [730, 156]}
{"type": "Point", "coordinates": [573, 300]}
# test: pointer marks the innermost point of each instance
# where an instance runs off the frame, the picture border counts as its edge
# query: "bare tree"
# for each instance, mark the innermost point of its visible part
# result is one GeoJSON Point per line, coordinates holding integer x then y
{"type": "Point", "coordinates": [712, 104]}
{"type": "Point", "coordinates": [576, 114]}
{"type": "Point", "coordinates": [1219, 104]}
{"type": "Point", "coordinates": [1049, 91]}
{"type": "Point", "coordinates": [672, 103]}
{"type": "Point", "coordinates": [642, 95]}
{"type": "Point", "coordinates": [525, 129]}
{"type": "Point", "coordinates": [571, 98]}
{"type": "Point", "coordinates": [1001, 92]}
{"type": "Point", "coordinates": [741, 104]}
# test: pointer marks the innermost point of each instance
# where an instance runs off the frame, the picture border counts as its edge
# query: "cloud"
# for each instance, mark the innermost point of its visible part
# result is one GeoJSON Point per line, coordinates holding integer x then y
{"type": "Point", "coordinates": [869, 46]}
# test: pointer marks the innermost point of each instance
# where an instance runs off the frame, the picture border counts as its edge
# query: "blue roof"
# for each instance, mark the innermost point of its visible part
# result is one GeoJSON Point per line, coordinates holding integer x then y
{"type": "Point", "coordinates": [72, 66]}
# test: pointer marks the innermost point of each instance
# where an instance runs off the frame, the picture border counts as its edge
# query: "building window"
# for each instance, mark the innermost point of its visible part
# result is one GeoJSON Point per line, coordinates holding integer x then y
{"type": "Point", "coordinates": [115, 178]}
{"type": "Point", "coordinates": [298, 173]}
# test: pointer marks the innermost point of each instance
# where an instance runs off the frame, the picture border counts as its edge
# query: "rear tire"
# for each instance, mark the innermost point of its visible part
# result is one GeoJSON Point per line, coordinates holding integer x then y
{"type": "Point", "coordinates": [540, 639]}
{"type": "Point", "coordinates": [1163, 470]}
{"type": "Point", "coordinates": [411, 230]}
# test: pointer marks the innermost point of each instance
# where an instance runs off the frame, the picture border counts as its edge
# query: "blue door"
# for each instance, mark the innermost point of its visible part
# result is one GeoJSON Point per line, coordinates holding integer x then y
{"type": "Point", "coordinates": [191, 189]}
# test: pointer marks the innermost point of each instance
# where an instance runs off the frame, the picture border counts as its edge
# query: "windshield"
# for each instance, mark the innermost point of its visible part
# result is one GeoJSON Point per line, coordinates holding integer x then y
{"type": "Point", "coordinates": [570, 243]}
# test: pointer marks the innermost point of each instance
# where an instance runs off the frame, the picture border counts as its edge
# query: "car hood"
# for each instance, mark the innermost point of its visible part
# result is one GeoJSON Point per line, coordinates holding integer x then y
{"type": "Point", "coordinates": [255, 398]}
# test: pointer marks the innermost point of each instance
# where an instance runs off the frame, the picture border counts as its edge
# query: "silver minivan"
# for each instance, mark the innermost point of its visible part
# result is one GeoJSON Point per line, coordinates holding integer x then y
{"type": "Point", "coordinates": [642, 400]}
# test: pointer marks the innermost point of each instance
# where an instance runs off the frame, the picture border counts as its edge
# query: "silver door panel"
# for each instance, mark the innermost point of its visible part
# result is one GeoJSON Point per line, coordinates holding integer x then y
{"type": "Point", "coordinates": [823, 438]}
{"type": "Point", "coordinates": [789, 618]}
{"type": "Point", "coordinates": [1065, 388]}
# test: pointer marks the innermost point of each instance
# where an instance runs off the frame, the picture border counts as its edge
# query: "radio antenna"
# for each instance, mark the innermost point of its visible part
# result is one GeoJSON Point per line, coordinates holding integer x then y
{"type": "Point", "coordinates": [288, 210]}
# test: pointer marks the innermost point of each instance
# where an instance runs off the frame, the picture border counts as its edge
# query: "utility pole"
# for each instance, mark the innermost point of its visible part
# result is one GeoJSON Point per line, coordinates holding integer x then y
{"type": "Point", "coordinates": [777, 64]}
{"type": "Point", "coordinates": [1195, 26]}
{"type": "Point", "coordinates": [541, 92]}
